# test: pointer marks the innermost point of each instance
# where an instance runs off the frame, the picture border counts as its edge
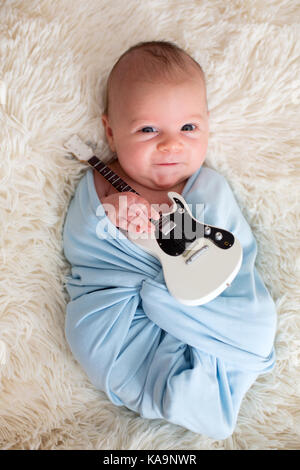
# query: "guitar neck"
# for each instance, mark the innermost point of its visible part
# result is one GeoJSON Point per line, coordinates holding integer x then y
{"type": "Point", "coordinates": [116, 181]}
{"type": "Point", "coordinates": [112, 177]}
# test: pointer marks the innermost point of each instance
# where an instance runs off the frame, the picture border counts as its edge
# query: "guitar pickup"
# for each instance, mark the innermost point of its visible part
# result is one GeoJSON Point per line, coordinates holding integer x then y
{"type": "Point", "coordinates": [167, 226]}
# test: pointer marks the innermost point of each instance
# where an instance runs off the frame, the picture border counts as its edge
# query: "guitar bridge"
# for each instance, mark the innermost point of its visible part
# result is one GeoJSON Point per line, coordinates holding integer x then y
{"type": "Point", "coordinates": [197, 254]}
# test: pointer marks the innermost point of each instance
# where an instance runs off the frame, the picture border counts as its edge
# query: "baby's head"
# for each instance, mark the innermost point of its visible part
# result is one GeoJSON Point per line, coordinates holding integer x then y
{"type": "Point", "coordinates": [156, 116]}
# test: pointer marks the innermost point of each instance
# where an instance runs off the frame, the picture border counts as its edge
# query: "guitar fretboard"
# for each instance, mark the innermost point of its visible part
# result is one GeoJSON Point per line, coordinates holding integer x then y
{"type": "Point", "coordinates": [114, 179]}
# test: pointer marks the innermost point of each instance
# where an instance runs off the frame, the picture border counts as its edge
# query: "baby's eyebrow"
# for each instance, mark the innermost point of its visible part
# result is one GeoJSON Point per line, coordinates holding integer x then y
{"type": "Point", "coordinates": [196, 116]}
{"type": "Point", "coordinates": [137, 121]}
{"type": "Point", "coordinates": [142, 121]}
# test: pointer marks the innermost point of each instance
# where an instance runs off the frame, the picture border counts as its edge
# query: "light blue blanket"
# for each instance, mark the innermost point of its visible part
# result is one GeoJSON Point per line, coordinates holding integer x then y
{"type": "Point", "coordinates": [189, 365]}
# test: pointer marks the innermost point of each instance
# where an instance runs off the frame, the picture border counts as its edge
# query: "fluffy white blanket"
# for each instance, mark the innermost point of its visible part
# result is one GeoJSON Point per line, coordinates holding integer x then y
{"type": "Point", "coordinates": [55, 58]}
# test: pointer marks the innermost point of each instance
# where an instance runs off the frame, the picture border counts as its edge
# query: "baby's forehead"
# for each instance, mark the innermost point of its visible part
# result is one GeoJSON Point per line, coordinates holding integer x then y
{"type": "Point", "coordinates": [139, 67]}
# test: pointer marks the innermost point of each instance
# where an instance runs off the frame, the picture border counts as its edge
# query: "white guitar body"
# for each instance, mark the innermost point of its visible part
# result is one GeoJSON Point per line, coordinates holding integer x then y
{"type": "Point", "coordinates": [199, 261]}
{"type": "Point", "coordinates": [201, 280]}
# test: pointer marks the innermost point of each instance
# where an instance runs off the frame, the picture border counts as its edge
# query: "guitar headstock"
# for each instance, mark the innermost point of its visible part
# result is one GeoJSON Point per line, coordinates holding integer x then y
{"type": "Point", "coordinates": [78, 148]}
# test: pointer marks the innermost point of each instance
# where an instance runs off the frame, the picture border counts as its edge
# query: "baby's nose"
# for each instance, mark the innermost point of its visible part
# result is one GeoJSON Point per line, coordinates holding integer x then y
{"type": "Point", "coordinates": [170, 144]}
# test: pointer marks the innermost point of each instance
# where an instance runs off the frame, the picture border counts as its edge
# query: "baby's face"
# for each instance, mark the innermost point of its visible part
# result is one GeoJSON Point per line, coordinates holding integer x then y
{"type": "Point", "coordinates": [159, 131]}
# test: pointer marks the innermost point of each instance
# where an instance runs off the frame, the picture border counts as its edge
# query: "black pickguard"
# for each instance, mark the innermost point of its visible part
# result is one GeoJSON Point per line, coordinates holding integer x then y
{"type": "Point", "coordinates": [187, 230]}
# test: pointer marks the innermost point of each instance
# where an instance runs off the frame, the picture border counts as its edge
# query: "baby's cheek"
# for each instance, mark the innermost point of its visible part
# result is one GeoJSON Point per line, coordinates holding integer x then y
{"type": "Point", "coordinates": [130, 154]}
{"type": "Point", "coordinates": [135, 163]}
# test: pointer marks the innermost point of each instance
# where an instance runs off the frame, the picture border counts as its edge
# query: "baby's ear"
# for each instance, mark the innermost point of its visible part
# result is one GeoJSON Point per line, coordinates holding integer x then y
{"type": "Point", "coordinates": [108, 131]}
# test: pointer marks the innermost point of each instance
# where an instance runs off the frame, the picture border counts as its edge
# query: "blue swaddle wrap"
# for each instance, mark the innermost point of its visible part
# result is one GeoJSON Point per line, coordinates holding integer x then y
{"type": "Point", "coordinates": [188, 365]}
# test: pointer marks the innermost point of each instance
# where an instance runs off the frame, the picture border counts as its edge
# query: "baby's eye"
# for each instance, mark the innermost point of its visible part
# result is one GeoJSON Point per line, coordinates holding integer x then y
{"type": "Point", "coordinates": [184, 128]}
{"type": "Point", "coordinates": [148, 129]}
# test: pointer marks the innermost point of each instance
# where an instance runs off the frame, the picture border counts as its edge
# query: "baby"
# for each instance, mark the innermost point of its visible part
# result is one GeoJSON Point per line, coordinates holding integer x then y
{"type": "Point", "coordinates": [156, 121]}
{"type": "Point", "coordinates": [189, 365]}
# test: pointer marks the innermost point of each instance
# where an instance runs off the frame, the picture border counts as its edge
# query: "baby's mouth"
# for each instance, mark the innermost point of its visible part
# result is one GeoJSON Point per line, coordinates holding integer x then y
{"type": "Point", "coordinates": [167, 164]}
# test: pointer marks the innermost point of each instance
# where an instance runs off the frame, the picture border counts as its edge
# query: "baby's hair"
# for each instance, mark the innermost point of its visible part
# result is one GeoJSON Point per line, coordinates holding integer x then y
{"type": "Point", "coordinates": [154, 60]}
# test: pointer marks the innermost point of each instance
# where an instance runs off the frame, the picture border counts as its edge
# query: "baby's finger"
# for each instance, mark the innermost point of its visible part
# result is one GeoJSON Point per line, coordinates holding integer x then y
{"type": "Point", "coordinates": [138, 224]}
{"type": "Point", "coordinates": [155, 215]}
{"type": "Point", "coordinates": [139, 210]}
{"type": "Point", "coordinates": [149, 212]}
{"type": "Point", "coordinates": [134, 210]}
{"type": "Point", "coordinates": [151, 228]}
{"type": "Point", "coordinates": [122, 222]}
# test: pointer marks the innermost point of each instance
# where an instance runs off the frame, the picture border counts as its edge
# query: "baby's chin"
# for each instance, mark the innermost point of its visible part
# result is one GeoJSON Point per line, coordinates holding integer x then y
{"type": "Point", "coordinates": [167, 182]}
{"type": "Point", "coordinates": [166, 185]}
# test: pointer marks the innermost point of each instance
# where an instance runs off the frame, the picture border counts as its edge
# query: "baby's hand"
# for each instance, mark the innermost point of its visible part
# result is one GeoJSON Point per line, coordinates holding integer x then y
{"type": "Point", "coordinates": [130, 212]}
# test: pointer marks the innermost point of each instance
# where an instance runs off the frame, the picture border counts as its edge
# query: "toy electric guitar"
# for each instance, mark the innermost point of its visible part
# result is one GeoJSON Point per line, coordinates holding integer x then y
{"type": "Point", "coordinates": [199, 261]}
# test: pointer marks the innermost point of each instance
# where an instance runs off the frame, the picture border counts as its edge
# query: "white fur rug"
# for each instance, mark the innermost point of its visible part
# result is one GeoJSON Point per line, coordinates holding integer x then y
{"type": "Point", "coordinates": [55, 58]}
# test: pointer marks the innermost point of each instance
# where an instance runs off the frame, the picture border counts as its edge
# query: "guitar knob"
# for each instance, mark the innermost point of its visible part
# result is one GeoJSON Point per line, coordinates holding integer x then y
{"type": "Point", "coordinates": [207, 230]}
{"type": "Point", "coordinates": [218, 236]}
